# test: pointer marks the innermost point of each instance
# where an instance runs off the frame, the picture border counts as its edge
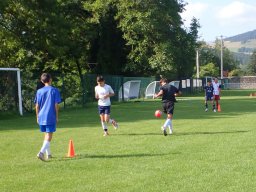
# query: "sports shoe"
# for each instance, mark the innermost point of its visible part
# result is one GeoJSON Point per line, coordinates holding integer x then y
{"type": "Point", "coordinates": [40, 156]}
{"type": "Point", "coordinates": [49, 156]}
{"type": "Point", "coordinates": [105, 134]}
{"type": "Point", "coordinates": [164, 131]}
{"type": "Point", "coordinates": [206, 109]}
{"type": "Point", "coordinates": [214, 110]}
{"type": "Point", "coordinates": [114, 123]}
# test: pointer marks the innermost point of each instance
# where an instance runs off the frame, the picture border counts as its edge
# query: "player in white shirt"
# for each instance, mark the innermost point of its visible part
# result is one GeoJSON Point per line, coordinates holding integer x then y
{"type": "Point", "coordinates": [103, 92]}
{"type": "Point", "coordinates": [216, 93]}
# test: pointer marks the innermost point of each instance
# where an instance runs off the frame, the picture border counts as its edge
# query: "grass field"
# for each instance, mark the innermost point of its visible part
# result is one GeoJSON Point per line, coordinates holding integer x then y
{"type": "Point", "coordinates": [208, 151]}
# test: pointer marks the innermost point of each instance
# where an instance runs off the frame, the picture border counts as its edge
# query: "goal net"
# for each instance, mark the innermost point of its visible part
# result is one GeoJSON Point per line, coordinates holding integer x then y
{"type": "Point", "coordinates": [130, 90]}
{"type": "Point", "coordinates": [154, 87]}
{"type": "Point", "coordinates": [10, 90]}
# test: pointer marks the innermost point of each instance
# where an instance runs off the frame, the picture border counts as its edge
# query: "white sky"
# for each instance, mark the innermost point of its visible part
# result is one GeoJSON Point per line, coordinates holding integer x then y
{"type": "Point", "coordinates": [221, 17]}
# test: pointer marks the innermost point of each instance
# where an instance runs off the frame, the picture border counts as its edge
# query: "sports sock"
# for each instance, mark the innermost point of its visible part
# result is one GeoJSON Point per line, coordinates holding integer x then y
{"type": "Point", "coordinates": [45, 145]}
{"type": "Point", "coordinates": [103, 124]}
{"type": "Point", "coordinates": [110, 121]}
{"type": "Point", "coordinates": [206, 105]}
{"type": "Point", "coordinates": [170, 126]}
{"type": "Point", "coordinates": [213, 106]}
{"type": "Point", "coordinates": [48, 151]}
{"type": "Point", "coordinates": [167, 123]}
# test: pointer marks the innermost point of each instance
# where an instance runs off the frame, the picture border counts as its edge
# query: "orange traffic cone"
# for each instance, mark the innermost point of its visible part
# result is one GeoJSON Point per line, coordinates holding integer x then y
{"type": "Point", "coordinates": [71, 149]}
{"type": "Point", "coordinates": [219, 109]}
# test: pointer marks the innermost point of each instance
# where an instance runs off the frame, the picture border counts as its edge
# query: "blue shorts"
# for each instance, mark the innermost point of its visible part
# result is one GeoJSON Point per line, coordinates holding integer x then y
{"type": "Point", "coordinates": [47, 128]}
{"type": "Point", "coordinates": [104, 110]}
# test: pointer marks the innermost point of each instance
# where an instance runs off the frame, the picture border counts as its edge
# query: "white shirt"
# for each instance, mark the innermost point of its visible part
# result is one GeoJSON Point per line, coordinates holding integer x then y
{"type": "Point", "coordinates": [216, 87]}
{"type": "Point", "coordinates": [101, 92]}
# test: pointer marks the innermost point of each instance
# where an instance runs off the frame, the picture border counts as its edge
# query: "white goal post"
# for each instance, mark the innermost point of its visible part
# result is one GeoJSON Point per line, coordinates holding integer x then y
{"type": "Point", "coordinates": [131, 90]}
{"type": "Point", "coordinates": [154, 87]}
{"type": "Point", "coordinates": [19, 85]}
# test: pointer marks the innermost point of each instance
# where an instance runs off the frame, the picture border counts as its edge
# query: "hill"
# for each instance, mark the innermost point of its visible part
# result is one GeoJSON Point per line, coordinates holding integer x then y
{"type": "Point", "coordinates": [242, 45]}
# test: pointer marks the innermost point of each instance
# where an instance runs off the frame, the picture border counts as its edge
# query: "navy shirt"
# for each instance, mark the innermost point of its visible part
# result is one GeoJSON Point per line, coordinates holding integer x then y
{"type": "Point", "coordinates": [209, 90]}
{"type": "Point", "coordinates": [168, 93]}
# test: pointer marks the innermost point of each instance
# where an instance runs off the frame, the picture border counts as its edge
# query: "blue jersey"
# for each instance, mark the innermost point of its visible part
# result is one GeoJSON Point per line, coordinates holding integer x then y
{"type": "Point", "coordinates": [46, 98]}
{"type": "Point", "coordinates": [208, 91]}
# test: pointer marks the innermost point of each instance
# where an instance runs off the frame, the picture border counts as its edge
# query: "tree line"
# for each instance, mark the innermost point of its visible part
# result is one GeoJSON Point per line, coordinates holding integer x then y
{"type": "Point", "coordinates": [139, 37]}
{"type": "Point", "coordinates": [70, 38]}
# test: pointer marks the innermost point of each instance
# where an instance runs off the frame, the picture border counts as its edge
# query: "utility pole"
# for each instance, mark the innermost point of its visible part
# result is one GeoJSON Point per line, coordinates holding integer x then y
{"type": "Point", "coordinates": [197, 64]}
{"type": "Point", "coordinates": [221, 57]}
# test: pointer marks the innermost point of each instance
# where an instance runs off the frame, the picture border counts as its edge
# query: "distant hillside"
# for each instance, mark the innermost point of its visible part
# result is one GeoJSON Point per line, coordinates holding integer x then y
{"type": "Point", "coordinates": [242, 45]}
{"type": "Point", "coordinates": [242, 37]}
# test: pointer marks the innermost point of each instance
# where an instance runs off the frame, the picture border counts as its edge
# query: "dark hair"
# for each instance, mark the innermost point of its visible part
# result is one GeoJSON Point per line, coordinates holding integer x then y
{"type": "Point", "coordinates": [100, 78]}
{"type": "Point", "coordinates": [45, 77]}
{"type": "Point", "coordinates": [40, 85]}
{"type": "Point", "coordinates": [163, 80]}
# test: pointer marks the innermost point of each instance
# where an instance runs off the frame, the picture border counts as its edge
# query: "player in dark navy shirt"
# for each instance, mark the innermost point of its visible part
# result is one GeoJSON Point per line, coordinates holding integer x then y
{"type": "Point", "coordinates": [168, 93]}
{"type": "Point", "coordinates": [208, 95]}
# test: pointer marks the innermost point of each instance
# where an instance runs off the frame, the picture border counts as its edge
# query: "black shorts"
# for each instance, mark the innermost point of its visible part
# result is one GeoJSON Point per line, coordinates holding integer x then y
{"type": "Point", "coordinates": [168, 107]}
{"type": "Point", "coordinates": [208, 98]}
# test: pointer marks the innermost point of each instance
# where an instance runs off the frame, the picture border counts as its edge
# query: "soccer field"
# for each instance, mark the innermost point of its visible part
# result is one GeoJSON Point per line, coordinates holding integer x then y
{"type": "Point", "coordinates": [207, 152]}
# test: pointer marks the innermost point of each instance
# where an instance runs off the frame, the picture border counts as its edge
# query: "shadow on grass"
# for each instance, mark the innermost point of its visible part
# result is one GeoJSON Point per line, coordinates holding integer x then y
{"type": "Point", "coordinates": [89, 156]}
{"type": "Point", "coordinates": [136, 134]}
{"type": "Point", "coordinates": [209, 133]}
{"type": "Point", "coordinates": [181, 134]}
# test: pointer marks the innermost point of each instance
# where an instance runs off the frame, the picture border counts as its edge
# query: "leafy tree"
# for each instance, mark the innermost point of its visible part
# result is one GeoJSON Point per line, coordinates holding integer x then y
{"type": "Point", "coordinates": [123, 37]}
{"type": "Point", "coordinates": [209, 70]}
{"type": "Point", "coordinates": [236, 72]}
{"type": "Point", "coordinates": [252, 65]}
{"type": "Point", "coordinates": [229, 61]}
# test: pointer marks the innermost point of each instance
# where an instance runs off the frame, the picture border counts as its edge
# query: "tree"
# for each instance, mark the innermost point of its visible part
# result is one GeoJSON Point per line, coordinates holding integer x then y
{"type": "Point", "coordinates": [209, 70]}
{"type": "Point", "coordinates": [209, 54]}
{"type": "Point", "coordinates": [229, 61]}
{"type": "Point", "coordinates": [252, 65]}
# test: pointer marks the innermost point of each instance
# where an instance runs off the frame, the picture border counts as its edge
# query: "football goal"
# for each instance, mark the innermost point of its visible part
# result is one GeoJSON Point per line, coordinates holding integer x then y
{"type": "Point", "coordinates": [129, 90]}
{"type": "Point", "coordinates": [154, 87]}
{"type": "Point", "coordinates": [151, 89]}
{"type": "Point", "coordinates": [10, 89]}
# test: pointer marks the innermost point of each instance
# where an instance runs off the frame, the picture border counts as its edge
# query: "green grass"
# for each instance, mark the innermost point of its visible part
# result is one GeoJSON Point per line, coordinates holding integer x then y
{"type": "Point", "coordinates": [208, 151]}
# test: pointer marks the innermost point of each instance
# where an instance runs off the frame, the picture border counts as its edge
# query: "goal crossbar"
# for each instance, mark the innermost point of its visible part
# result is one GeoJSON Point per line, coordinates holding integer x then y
{"type": "Point", "coordinates": [19, 85]}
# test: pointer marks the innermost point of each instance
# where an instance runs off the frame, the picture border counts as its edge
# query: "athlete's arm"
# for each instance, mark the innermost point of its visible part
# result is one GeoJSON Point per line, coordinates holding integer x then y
{"type": "Point", "coordinates": [160, 93]}
{"type": "Point", "coordinates": [57, 112]}
{"type": "Point", "coordinates": [178, 93]}
{"type": "Point", "coordinates": [110, 94]}
{"type": "Point", "coordinates": [96, 94]}
{"type": "Point", "coordinates": [37, 111]}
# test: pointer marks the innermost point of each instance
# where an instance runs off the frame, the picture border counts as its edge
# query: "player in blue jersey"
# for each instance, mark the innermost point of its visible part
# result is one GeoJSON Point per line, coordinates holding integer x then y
{"type": "Point", "coordinates": [46, 101]}
{"type": "Point", "coordinates": [209, 95]}
{"type": "Point", "coordinates": [168, 93]}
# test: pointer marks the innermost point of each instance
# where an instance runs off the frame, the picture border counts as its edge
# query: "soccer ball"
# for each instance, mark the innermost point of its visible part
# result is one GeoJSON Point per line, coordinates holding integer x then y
{"type": "Point", "coordinates": [158, 113]}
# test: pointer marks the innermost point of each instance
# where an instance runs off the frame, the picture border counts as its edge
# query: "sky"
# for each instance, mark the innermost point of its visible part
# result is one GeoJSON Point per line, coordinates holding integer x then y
{"type": "Point", "coordinates": [221, 17]}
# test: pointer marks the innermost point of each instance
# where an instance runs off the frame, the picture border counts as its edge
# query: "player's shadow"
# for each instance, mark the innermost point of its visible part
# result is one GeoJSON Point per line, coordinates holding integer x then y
{"type": "Point", "coordinates": [117, 156]}
{"type": "Point", "coordinates": [209, 133]}
{"type": "Point", "coordinates": [137, 134]}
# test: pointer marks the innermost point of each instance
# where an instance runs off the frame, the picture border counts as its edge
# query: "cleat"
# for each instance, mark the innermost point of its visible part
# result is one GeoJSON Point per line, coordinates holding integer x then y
{"type": "Point", "coordinates": [214, 110]}
{"type": "Point", "coordinates": [206, 110]}
{"type": "Point", "coordinates": [164, 131]}
{"type": "Point", "coordinates": [49, 156]}
{"type": "Point", "coordinates": [40, 156]}
{"type": "Point", "coordinates": [106, 134]}
{"type": "Point", "coordinates": [114, 123]}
